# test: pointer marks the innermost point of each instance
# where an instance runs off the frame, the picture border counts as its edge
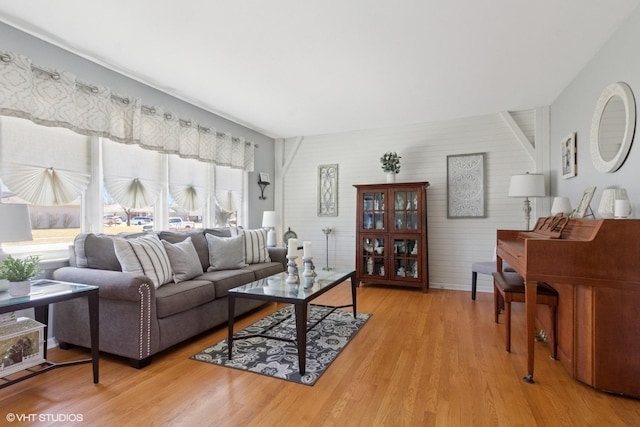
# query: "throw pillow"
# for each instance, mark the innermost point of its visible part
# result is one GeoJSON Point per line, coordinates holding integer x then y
{"type": "Point", "coordinates": [184, 260]}
{"type": "Point", "coordinates": [144, 255]}
{"type": "Point", "coordinates": [95, 251]}
{"type": "Point", "coordinates": [225, 253]}
{"type": "Point", "coordinates": [255, 242]}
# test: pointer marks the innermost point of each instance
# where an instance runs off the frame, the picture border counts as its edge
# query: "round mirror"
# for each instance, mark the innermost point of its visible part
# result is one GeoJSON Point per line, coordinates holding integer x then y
{"type": "Point", "coordinates": [612, 127]}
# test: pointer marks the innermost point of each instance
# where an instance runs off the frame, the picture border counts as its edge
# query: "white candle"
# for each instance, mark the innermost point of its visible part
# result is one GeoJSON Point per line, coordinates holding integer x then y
{"type": "Point", "coordinates": [622, 208]}
{"type": "Point", "coordinates": [306, 246]}
{"type": "Point", "coordinates": [292, 249]}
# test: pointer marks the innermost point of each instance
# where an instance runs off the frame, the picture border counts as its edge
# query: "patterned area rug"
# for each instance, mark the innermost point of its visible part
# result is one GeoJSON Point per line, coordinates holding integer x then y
{"type": "Point", "coordinates": [279, 359]}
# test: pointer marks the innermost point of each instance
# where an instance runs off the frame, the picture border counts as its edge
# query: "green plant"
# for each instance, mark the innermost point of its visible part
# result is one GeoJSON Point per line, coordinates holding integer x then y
{"type": "Point", "coordinates": [390, 162]}
{"type": "Point", "coordinates": [20, 269]}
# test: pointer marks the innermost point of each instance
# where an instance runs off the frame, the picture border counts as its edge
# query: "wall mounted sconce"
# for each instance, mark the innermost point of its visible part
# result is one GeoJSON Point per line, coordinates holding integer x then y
{"type": "Point", "coordinates": [263, 182]}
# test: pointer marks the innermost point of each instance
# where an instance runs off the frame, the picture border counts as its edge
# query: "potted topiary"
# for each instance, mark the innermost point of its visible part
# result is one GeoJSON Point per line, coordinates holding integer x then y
{"type": "Point", "coordinates": [390, 165]}
{"type": "Point", "coordinates": [19, 272]}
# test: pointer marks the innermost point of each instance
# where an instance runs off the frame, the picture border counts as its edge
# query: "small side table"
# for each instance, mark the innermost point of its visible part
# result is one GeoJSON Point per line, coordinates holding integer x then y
{"type": "Point", "coordinates": [45, 292]}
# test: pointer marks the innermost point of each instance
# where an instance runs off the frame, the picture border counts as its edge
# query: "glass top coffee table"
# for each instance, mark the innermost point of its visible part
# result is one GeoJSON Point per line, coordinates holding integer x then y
{"type": "Point", "coordinates": [274, 288]}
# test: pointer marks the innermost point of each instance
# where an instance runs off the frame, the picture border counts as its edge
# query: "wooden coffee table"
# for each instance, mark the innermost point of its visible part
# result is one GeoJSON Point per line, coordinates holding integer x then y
{"type": "Point", "coordinates": [275, 289]}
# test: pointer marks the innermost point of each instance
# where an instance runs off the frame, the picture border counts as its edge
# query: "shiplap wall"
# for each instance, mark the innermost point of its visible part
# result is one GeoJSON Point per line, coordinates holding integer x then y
{"type": "Point", "coordinates": [453, 243]}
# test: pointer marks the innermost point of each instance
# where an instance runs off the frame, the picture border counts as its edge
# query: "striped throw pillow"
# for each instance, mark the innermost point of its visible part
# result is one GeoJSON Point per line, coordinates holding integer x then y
{"type": "Point", "coordinates": [145, 255]}
{"type": "Point", "coordinates": [255, 244]}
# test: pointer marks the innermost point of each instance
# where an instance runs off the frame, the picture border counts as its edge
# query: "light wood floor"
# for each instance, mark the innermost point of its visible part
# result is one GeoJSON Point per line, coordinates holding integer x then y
{"type": "Point", "coordinates": [421, 360]}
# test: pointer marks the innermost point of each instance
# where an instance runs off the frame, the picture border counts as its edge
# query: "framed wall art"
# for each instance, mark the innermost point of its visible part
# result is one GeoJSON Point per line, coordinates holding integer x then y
{"type": "Point", "coordinates": [466, 184]}
{"type": "Point", "coordinates": [569, 156]}
{"type": "Point", "coordinates": [328, 190]}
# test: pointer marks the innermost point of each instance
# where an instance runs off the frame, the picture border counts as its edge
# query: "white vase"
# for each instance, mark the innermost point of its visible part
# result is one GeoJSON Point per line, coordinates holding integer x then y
{"type": "Point", "coordinates": [391, 177]}
{"type": "Point", "coordinates": [20, 289]}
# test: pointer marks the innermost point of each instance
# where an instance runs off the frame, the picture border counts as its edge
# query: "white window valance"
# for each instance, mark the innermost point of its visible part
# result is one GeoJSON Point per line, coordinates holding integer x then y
{"type": "Point", "coordinates": [57, 98]}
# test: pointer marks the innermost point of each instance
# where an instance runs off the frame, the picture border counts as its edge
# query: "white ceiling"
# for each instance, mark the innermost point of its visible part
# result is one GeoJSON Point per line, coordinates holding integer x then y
{"type": "Point", "coordinates": [294, 67]}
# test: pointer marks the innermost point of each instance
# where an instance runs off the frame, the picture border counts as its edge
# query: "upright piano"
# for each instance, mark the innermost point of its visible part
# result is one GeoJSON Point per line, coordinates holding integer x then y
{"type": "Point", "coordinates": [594, 264]}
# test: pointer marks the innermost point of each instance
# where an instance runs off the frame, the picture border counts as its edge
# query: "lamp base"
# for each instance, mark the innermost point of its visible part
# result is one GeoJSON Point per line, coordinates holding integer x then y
{"type": "Point", "coordinates": [527, 212]}
{"type": "Point", "coordinates": [271, 237]}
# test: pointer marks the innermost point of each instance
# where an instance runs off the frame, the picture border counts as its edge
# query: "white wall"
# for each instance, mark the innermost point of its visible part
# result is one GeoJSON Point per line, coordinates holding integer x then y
{"type": "Point", "coordinates": [453, 243]}
{"type": "Point", "coordinates": [618, 60]}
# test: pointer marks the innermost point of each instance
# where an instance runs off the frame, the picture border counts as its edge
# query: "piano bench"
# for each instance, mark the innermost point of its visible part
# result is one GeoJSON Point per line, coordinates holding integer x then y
{"type": "Point", "coordinates": [484, 267]}
{"type": "Point", "coordinates": [509, 287]}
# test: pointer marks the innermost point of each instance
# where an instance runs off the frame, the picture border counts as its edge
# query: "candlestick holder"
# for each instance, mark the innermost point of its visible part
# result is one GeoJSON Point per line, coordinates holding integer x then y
{"type": "Point", "coordinates": [292, 270]}
{"type": "Point", "coordinates": [327, 231]}
{"type": "Point", "coordinates": [308, 282]}
{"type": "Point", "coordinates": [309, 268]}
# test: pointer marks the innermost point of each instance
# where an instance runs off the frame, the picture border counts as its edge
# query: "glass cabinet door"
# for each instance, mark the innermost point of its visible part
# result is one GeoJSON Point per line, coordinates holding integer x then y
{"type": "Point", "coordinates": [373, 211]}
{"type": "Point", "coordinates": [405, 210]}
{"type": "Point", "coordinates": [405, 258]}
{"type": "Point", "coordinates": [373, 256]}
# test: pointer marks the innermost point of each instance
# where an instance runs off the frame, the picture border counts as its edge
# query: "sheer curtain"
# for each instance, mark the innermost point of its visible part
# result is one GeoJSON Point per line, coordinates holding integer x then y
{"type": "Point", "coordinates": [188, 183]}
{"type": "Point", "coordinates": [40, 165]}
{"type": "Point", "coordinates": [58, 98]}
{"type": "Point", "coordinates": [132, 176]}
{"type": "Point", "coordinates": [229, 185]}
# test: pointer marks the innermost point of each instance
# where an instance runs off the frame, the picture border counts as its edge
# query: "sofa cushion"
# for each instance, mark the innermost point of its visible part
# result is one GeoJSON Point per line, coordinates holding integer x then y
{"type": "Point", "coordinates": [225, 253]}
{"type": "Point", "coordinates": [144, 255]}
{"type": "Point", "coordinates": [174, 298]}
{"type": "Point", "coordinates": [265, 269]}
{"type": "Point", "coordinates": [221, 231]}
{"type": "Point", "coordinates": [184, 260]}
{"type": "Point", "coordinates": [223, 280]}
{"type": "Point", "coordinates": [255, 242]}
{"type": "Point", "coordinates": [97, 251]}
{"type": "Point", "coordinates": [197, 238]}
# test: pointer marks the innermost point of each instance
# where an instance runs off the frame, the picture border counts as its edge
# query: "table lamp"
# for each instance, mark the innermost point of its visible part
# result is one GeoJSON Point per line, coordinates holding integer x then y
{"type": "Point", "coordinates": [270, 220]}
{"type": "Point", "coordinates": [527, 185]}
{"type": "Point", "coordinates": [15, 225]}
{"type": "Point", "coordinates": [561, 204]}
{"type": "Point", "coordinates": [606, 209]}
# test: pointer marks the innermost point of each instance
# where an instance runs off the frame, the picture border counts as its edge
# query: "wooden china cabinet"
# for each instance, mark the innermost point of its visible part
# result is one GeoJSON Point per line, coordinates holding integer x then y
{"type": "Point", "coordinates": [391, 234]}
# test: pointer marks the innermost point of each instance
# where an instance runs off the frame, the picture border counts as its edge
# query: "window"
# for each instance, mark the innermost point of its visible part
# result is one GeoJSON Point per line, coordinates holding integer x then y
{"type": "Point", "coordinates": [48, 169]}
{"type": "Point", "coordinates": [79, 184]}
{"type": "Point", "coordinates": [229, 184]}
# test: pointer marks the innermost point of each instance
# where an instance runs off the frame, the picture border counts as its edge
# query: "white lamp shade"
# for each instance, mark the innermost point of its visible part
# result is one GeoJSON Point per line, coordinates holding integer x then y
{"type": "Point", "coordinates": [527, 185]}
{"type": "Point", "coordinates": [270, 219]}
{"type": "Point", "coordinates": [606, 209]}
{"type": "Point", "coordinates": [16, 222]}
{"type": "Point", "coordinates": [561, 204]}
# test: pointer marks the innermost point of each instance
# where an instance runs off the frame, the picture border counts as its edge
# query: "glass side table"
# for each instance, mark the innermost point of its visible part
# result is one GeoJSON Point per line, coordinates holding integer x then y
{"type": "Point", "coordinates": [45, 292]}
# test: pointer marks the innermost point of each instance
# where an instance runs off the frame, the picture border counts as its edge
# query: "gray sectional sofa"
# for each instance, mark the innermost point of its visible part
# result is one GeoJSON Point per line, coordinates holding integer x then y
{"type": "Point", "coordinates": [139, 316]}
